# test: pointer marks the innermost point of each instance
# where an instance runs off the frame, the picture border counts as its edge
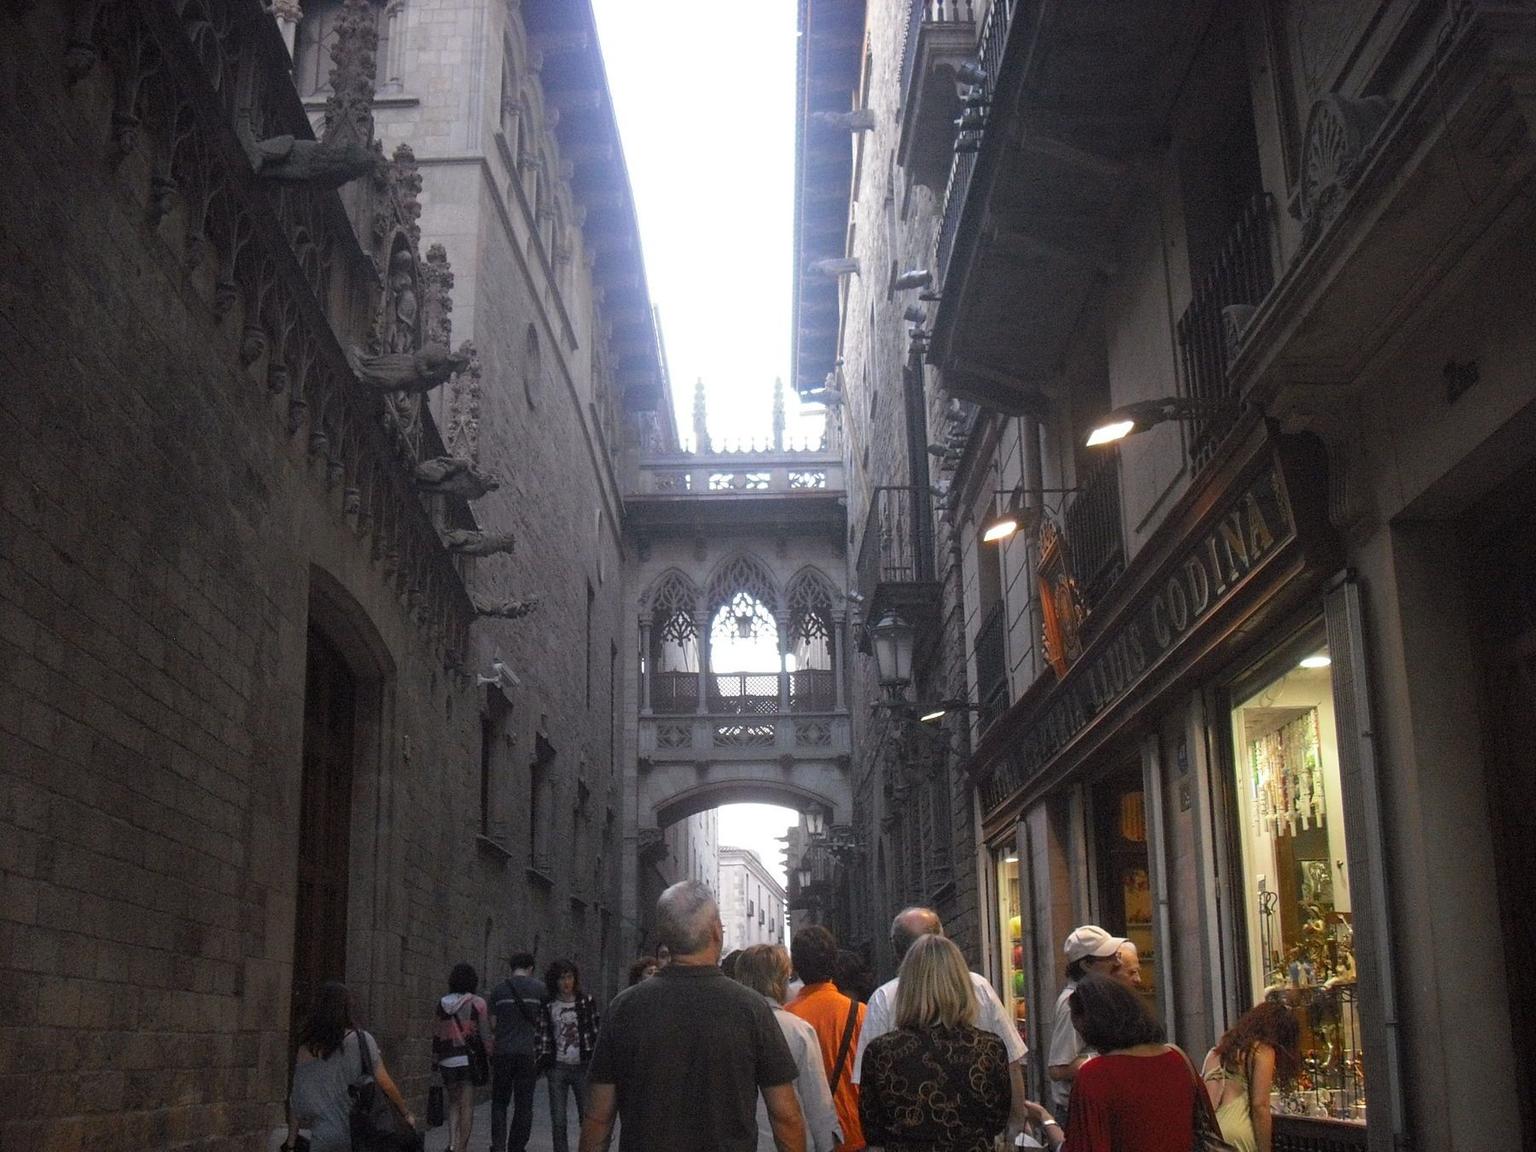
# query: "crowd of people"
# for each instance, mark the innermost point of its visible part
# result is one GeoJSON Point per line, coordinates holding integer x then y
{"type": "Point", "coordinates": [768, 1049]}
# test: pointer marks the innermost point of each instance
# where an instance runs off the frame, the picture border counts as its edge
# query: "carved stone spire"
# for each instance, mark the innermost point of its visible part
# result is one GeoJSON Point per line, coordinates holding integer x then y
{"type": "Point", "coordinates": [700, 419]}
{"type": "Point", "coordinates": [354, 57]}
{"type": "Point", "coordinates": [778, 414]}
{"type": "Point", "coordinates": [437, 289]}
{"type": "Point", "coordinates": [405, 181]}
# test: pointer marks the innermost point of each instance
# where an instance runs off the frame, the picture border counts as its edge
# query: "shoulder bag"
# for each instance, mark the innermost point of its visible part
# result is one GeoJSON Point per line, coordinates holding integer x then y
{"type": "Point", "coordinates": [1208, 1137]}
{"type": "Point", "coordinates": [474, 1048]}
{"type": "Point", "coordinates": [842, 1049]}
{"type": "Point", "coordinates": [375, 1123]}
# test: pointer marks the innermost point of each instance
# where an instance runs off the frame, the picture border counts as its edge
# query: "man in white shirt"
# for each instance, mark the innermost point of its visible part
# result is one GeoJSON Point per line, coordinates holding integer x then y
{"type": "Point", "coordinates": [1088, 949]}
{"type": "Point", "coordinates": [909, 925]}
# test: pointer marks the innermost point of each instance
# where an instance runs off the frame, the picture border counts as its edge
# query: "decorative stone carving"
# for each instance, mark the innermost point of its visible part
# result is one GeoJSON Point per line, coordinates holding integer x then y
{"type": "Point", "coordinates": [462, 433]}
{"type": "Point", "coordinates": [354, 57]}
{"type": "Point", "coordinates": [1340, 133]}
{"type": "Point", "coordinates": [287, 159]}
{"type": "Point", "coordinates": [451, 476]}
{"type": "Point", "coordinates": [507, 609]}
{"type": "Point", "coordinates": [419, 371]}
{"type": "Point", "coordinates": [468, 543]}
{"type": "Point", "coordinates": [404, 176]}
{"type": "Point", "coordinates": [437, 286]}
{"type": "Point", "coordinates": [288, 11]}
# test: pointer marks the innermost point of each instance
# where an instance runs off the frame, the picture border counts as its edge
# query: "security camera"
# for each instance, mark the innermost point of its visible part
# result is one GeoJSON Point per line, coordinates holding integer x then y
{"type": "Point", "coordinates": [856, 597]}
{"type": "Point", "coordinates": [501, 676]}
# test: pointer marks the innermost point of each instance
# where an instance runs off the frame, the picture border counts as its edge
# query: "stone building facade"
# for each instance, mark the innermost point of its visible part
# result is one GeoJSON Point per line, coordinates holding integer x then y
{"type": "Point", "coordinates": [751, 901]}
{"type": "Point", "coordinates": [273, 709]}
{"type": "Point", "coordinates": [1213, 669]}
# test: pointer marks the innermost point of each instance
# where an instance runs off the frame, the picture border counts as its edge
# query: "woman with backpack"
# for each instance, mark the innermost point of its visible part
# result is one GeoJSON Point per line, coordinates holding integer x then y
{"type": "Point", "coordinates": [461, 1045]}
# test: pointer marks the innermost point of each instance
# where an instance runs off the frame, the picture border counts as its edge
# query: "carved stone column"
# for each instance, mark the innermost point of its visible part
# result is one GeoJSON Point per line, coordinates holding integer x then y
{"type": "Point", "coordinates": [645, 664]}
{"type": "Point", "coordinates": [701, 626]}
{"type": "Point", "coordinates": [838, 625]}
{"type": "Point", "coordinates": [783, 667]}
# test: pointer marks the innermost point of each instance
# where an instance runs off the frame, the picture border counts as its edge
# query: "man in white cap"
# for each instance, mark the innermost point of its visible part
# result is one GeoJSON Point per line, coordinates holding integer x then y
{"type": "Point", "coordinates": [1089, 949]}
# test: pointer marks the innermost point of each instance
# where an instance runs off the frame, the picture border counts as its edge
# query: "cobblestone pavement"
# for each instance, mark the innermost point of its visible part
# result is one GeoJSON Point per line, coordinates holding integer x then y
{"type": "Point", "coordinates": [539, 1141]}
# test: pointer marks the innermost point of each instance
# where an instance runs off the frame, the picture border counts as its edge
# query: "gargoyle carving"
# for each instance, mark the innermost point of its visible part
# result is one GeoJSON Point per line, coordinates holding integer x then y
{"type": "Point", "coordinates": [290, 160]}
{"type": "Point", "coordinates": [507, 609]}
{"type": "Point", "coordinates": [419, 371]}
{"type": "Point", "coordinates": [467, 543]}
{"type": "Point", "coordinates": [453, 476]}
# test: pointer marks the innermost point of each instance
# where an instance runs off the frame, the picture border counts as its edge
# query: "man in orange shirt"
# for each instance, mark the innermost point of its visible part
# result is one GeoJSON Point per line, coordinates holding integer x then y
{"type": "Point", "coordinates": [837, 1020]}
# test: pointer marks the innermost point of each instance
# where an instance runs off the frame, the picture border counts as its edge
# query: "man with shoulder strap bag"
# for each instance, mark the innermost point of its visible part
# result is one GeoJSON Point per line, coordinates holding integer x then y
{"type": "Point", "coordinates": [837, 1019]}
{"type": "Point", "coordinates": [514, 1067]}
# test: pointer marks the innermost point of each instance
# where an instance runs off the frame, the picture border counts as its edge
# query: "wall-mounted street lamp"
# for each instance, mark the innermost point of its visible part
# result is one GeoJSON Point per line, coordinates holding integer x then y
{"type": "Point", "coordinates": [815, 822]}
{"type": "Point", "coordinates": [1018, 514]}
{"type": "Point", "coordinates": [943, 708]}
{"type": "Point", "coordinates": [1138, 417]}
{"type": "Point", "coordinates": [893, 638]}
{"type": "Point", "coordinates": [803, 876]}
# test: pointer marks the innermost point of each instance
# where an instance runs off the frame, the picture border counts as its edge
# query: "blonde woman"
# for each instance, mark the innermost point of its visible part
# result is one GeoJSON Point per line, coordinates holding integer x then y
{"type": "Point", "coordinates": [764, 968]}
{"type": "Point", "coordinates": [937, 1081]}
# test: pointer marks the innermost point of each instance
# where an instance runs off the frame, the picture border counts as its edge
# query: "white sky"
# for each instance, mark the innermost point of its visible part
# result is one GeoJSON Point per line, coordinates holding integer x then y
{"type": "Point", "coordinates": [705, 99]}
{"type": "Point", "coordinates": [706, 107]}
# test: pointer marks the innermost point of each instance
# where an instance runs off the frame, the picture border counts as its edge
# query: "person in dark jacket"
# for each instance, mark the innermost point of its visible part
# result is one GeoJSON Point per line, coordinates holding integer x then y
{"type": "Point", "coordinates": [567, 1034]}
{"type": "Point", "coordinates": [515, 1005]}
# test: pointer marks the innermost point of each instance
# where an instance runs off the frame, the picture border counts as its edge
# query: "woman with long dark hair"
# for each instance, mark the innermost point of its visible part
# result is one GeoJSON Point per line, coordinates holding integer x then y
{"type": "Point", "coordinates": [461, 1037]}
{"type": "Point", "coordinates": [1139, 1094]}
{"type": "Point", "coordinates": [567, 1034]}
{"type": "Point", "coordinates": [328, 1063]}
{"type": "Point", "coordinates": [1255, 1053]}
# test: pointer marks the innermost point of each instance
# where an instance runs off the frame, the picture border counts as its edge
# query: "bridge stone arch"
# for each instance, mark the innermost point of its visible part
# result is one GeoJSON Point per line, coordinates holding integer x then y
{"type": "Point", "coordinates": [748, 785]}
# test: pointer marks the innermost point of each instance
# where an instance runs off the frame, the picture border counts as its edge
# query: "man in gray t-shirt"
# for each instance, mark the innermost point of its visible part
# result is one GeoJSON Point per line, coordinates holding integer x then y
{"type": "Point", "coordinates": [514, 1072]}
{"type": "Point", "coordinates": [682, 1057]}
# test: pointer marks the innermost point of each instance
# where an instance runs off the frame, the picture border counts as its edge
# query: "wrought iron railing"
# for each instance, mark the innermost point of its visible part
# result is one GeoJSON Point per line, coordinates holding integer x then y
{"type": "Point", "coordinates": [1095, 531]}
{"type": "Point", "coordinates": [1238, 278]}
{"type": "Point", "coordinates": [743, 693]}
{"type": "Point", "coordinates": [992, 665]}
{"type": "Point", "coordinates": [994, 38]}
{"type": "Point", "coordinates": [674, 693]}
{"type": "Point", "coordinates": [922, 12]}
{"type": "Point", "coordinates": [812, 690]}
{"type": "Point", "coordinates": [898, 538]}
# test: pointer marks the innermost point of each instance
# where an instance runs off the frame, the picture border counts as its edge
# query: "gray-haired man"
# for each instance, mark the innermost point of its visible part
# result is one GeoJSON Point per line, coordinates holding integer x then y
{"type": "Point", "coordinates": [682, 1057]}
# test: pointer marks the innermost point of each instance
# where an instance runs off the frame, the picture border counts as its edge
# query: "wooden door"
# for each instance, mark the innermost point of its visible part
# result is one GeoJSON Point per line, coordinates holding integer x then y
{"type": "Point", "coordinates": [325, 820]}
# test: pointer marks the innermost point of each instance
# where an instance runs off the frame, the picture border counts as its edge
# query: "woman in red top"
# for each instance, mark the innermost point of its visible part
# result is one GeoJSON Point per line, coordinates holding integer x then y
{"type": "Point", "coordinates": [1139, 1094]}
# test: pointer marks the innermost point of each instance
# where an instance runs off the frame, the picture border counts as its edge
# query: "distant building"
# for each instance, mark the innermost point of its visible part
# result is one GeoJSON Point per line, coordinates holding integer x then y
{"type": "Point", "coordinates": [751, 900]}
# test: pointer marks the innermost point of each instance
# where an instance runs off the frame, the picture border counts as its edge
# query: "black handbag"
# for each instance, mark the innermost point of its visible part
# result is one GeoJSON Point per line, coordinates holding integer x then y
{"type": "Point", "coordinates": [377, 1126]}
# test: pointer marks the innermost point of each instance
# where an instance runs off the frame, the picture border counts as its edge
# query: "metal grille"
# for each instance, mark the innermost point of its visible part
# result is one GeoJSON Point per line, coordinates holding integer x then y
{"type": "Point", "coordinates": [744, 735]}
{"type": "Point", "coordinates": [811, 690]}
{"type": "Point", "coordinates": [994, 37]}
{"type": "Point", "coordinates": [674, 693]}
{"type": "Point", "coordinates": [743, 693]}
{"type": "Point", "coordinates": [1299, 1134]}
{"type": "Point", "coordinates": [1238, 278]}
{"type": "Point", "coordinates": [992, 666]}
{"type": "Point", "coordinates": [897, 547]}
{"type": "Point", "coordinates": [922, 12]}
{"type": "Point", "coordinates": [1095, 532]}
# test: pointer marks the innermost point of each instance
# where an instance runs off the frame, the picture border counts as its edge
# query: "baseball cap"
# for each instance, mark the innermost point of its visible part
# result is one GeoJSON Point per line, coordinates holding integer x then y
{"type": "Point", "coordinates": [1091, 940]}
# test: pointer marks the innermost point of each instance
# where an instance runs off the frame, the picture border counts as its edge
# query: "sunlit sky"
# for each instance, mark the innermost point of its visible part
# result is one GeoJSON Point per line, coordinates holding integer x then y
{"type": "Point", "coordinates": [706, 108]}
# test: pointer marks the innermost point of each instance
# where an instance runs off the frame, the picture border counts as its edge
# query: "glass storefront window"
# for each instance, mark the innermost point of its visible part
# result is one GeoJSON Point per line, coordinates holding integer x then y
{"type": "Point", "coordinates": [1298, 915]}
{"type": "Point", "coordinates": [1011, 937]}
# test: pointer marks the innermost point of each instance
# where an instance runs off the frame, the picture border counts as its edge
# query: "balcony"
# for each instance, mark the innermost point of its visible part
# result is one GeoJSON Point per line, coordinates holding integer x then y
{"type": "Point", "coordinates": [1096, 533]}
{"type": "Point", "coordinates": [686, 490]}
{"type": "Point", "coordinates": [895, 568]}
{"type": "Point", "coordinates": [941, 35]}
{"type": "Point", "coordinates": [1212, 327]}
{"type": "Point", "coordinates": [1076, 92]}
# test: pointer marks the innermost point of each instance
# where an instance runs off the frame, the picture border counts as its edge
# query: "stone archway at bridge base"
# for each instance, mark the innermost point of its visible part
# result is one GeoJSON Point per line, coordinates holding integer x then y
{"type": "Point", "coordinates": [672, 792]}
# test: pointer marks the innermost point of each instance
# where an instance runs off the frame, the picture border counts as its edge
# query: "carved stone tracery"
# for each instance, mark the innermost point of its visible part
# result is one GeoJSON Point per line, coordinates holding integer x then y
{"type": "Point", "coordinates": [1340, 133]}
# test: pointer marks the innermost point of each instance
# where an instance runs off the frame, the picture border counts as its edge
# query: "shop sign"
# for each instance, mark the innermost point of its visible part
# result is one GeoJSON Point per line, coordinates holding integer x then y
{"type": "Point", "coordinates": [1202, 579]}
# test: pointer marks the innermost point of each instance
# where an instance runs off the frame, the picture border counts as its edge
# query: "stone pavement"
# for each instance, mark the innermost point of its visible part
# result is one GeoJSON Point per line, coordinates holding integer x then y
{"type": "Point", "coordinates": [539, 1141]}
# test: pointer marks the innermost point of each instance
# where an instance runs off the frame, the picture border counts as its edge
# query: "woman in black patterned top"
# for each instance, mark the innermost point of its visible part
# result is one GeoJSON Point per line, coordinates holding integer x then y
{"type": "Point", "coordinates": [937, 1083]}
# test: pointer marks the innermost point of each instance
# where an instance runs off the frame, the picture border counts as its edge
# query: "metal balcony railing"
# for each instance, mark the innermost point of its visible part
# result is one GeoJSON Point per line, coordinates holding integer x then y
{"type": "Point", "coordinates": [1239, 277]}
{"type": "Point", "coordinates": [812, 690]}
{"type": "Point", "coordinates": [1095, 532]}
{"type": "Point", "coordinates": [994, 37]}
{"type": "Point", "coordinates": [992, 665]}
{"type": "Point", "coordinates": [898, 539]}
{"type": "Point", "coordinates": [923, 12]}
{"type": "Point", "coordinates": [743, 693]}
